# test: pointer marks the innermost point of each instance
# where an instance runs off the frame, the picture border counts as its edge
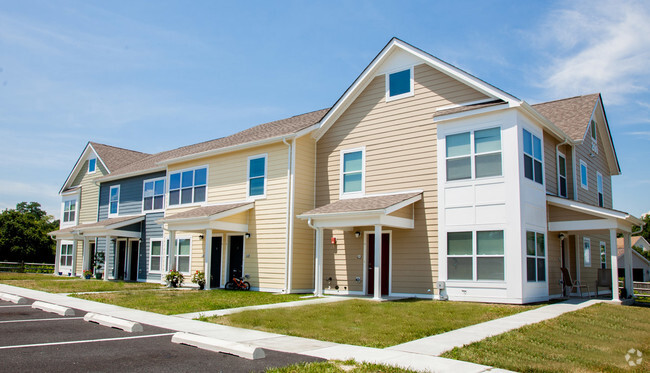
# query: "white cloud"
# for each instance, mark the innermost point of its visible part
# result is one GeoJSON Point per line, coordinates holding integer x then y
{"type": "Point", "coordinates": [644, 134]}
{"type": "Point", "coordinates": [597, 47]}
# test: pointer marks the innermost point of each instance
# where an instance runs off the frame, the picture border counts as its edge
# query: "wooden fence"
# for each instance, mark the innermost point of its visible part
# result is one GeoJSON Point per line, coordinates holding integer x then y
{"type": "Point", "coordinates": [23, 267]}
{"type": "Point", "coordinates": [641, 288]}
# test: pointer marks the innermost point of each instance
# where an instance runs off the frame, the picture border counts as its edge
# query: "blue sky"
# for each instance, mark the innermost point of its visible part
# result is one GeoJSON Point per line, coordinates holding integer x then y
{"type": "Point", "coordinates": [156, 75]}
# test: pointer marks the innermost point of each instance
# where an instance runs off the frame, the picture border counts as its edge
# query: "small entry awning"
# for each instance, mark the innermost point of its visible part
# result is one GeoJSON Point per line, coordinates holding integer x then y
{"type": "Point", "coordinates": [372, 210]}
{"type": "Point", "coordinates": [208, 217]}
{"type": "Point", "coordinates": [567, 215]}
{"type": "Point", "coordinates": [114, 227]}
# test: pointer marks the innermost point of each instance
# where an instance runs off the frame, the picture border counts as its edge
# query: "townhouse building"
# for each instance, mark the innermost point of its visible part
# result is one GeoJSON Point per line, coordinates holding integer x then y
{"type": "Point", "coordinates": [422, 180]}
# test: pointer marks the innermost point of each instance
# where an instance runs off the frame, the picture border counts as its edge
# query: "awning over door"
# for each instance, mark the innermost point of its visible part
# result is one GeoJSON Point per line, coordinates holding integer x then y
{"type": "Point", "coordinates": [123, 226]}
{"type": "Point", "coordinates": [567, 215]}
{"type": "Point", "coordinates": [208, 217]}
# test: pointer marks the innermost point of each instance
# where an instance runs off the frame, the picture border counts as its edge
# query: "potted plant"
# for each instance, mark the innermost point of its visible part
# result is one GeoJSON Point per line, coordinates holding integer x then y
{"type": "Point", "coordinates": [199, 278]}
{"type": "Point", "coordinates": [174, 278]}
{"type": "Point", "coordinates": [98, 264]}
{"type": "Point", "coordinates": [87, 274]}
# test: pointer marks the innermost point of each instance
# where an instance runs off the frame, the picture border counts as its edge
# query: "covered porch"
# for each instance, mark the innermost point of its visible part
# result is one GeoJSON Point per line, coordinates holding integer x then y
{"type": "Point", "coordinates": [379, 213]}
{"type": "Point", "coordinates": [212, 224]}
{"type": "Point", "coordinates": [590, 230]}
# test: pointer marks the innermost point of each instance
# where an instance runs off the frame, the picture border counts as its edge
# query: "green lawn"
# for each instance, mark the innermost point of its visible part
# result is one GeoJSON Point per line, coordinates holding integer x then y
{"type": "Point", "coordinates": [336, 366]}
{"type": "Point", "coordinates": [59, 284]}
{"type": "Point", "coordinates": [172, 302]}
{"type": "Point", "coordinates": [367, 323]}
{"type": "Point", "coordinates": [594, 339]}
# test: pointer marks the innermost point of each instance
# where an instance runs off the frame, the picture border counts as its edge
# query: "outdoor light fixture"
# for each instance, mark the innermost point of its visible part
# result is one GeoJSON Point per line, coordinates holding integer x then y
{"type": "Point", "coordinates": [561, 236]}
{"type": "Point", "coordinates": [333, 240]}
{"type": "Point", "coordinates": [200, 236]}
{"type": "Point", "coordinates": [247, 235]}
{"type": "Point", "coordinates": [357, 234]}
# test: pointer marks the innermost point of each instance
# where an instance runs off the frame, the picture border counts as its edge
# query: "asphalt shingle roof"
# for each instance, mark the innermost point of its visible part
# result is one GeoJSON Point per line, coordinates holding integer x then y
{"type": "Point", "coordinates": [571, 115]}
{"type": "Point", "coordinates": [99, 224]}
{"type": "Point", "coordinates": [202, 212]}
{"type": "Point", "coordinates": [362, 204]}
{"type": "Point", "coordinates": [464, 108]}
{"type": "Point", "coordinates": [116, 158]}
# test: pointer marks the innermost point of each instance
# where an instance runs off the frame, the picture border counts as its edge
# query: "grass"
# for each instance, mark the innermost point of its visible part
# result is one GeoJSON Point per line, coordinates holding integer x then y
{"type": "Point", "coordinates": [593, 339]}
{"type": "Point", "coordinates": [58, 284]}
{"type": "Point", "coordinates": [368, 323]}
{"type": "Point", "coordinates": [172, 302]}
{"type": "Point", "coordinates": [336, 366]}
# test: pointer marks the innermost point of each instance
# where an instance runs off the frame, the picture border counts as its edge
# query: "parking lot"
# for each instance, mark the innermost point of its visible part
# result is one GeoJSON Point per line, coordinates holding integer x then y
{"type": "Point", "coordinates": [34, 340]}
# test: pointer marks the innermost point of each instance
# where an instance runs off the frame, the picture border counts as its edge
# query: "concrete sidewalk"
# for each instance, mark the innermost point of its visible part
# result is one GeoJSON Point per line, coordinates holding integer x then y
{"type": "Point", "coordinates": [271, 341]}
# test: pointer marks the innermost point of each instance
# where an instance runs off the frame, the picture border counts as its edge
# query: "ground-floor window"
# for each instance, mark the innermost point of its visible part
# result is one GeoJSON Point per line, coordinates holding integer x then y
{"type": "Point", "coordinates": [66, 255]}
{"type": "Point", "coordinates": [155, 255]}
{"type": "Point", "coordinates": [475, 256]}
{"type": "Point", "coordinates": [586, 242]}
{"type": "Point", "coordinates": [603, 254]}
{"type": "Point", "coordinates": [535, 257]}
{"type": "Point", "coordinates": [183, 255]}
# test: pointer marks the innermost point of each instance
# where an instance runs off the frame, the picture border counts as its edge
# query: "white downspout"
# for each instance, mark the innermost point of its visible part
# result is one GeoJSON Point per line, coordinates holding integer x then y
{"type": "Point", "coordinates": [291, 154]}
{"type": "Point", "coordinates": [575, 179]}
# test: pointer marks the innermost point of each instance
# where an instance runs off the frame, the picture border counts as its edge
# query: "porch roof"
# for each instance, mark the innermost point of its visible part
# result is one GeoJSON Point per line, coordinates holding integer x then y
{"type": "Point", "coordinates": [596, 218]}
{"type": "Point", "coordinates": [108, 227]}
{"type": "Point", "coordinates": [370, 210]}
{"type": "Point", "coordinates": [207, 217]}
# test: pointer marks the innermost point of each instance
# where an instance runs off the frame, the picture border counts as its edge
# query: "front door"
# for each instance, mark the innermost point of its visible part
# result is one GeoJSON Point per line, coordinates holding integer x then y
{"type": "Point", "coordinates": [120, 261]}
{"type": "Point", "coordinates": [236, 260]}
{"type": "Point", "coordinates": [215, 263]}
{"type": "Point", "coordinates": [91, 257]}
{"type": "Point", "coordinates": [385, 263]}
{"type": "Point", "coordinates": [133, 263]}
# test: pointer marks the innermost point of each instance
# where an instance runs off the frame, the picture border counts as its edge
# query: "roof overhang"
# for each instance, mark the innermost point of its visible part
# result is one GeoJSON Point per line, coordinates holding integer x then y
{"type": "Point", "coordinates": [603, 219]}
{"type": "Point", "coordinates": [112, 177]}
{"type": "Point", "coordinates": [110, 228]}
{"type": "Point", "coordinates": [212, 221]}
{"type": "Point", "coordinates": [79, 163]}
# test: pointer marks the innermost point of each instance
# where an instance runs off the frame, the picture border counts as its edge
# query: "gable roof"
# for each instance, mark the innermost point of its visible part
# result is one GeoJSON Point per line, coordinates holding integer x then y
{"type": "Point", "coordinates": [271, 131]}
{"type": "Point", "coordinates": [572, 115]}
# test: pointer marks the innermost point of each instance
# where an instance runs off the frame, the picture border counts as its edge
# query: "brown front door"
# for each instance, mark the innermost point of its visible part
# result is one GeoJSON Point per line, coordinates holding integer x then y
{"type": "Point", "coordinates": [385, 263]}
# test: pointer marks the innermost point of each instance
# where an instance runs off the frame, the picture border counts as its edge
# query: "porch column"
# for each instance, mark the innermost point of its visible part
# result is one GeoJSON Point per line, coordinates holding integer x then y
{"type": "Point", "coordinates": [208, 256]}
{"type": "Point", "coordinates": [629, 286]}
{"type": "Point", "coordinates": [85, 266]}
{"type": "Point", "coordinates": [74, 257]}
{"type": "Point", "coordinates": [172, 251]}
{"type": "Point", "coordinates": [378, 268]}
{"type": "Point", "coordinates": [318, 265]}
{"type": "Point", "coordinates": [614, 259]}
{"type": "Point", "coordinates": [57, 257]}
{"type": "Point", "coordinates": [107, 257]}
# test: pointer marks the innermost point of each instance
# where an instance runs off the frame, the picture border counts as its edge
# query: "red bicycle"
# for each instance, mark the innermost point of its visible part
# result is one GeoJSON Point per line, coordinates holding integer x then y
{"type": "Point", "coordinates": [238, 284]}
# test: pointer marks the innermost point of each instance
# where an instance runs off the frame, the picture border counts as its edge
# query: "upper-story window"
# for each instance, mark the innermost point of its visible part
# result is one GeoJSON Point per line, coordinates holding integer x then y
{"type": "Point", "coordinates": [92, 165]}
{"type": "Point", "coordinates": [561, 175]}
{"type": "Point", "coordinates": [399, 84]}
{"type": "Point", "coordinates": [69, 210]}
{"type": "Point", "coordinates": [485, 154]}
{"type": "Point", "coordinates": [352, 171]}
{"type": "Point", "coordinates": [533, 168]}
{"type": "Point", "coordinates": [187, 186]}
{"type": "Point", "coordinates": [114, 200]}
{"type": "Point", "coordinates": [601, 196]}
{"type": "Point", "coordinates": [153, 194]}
{"type": "Point", "coordinates": [257, 176]}
{"type": "Point", "coordinates": [594, 137]}
{"type": "Point", "coordinates": [584, 178]}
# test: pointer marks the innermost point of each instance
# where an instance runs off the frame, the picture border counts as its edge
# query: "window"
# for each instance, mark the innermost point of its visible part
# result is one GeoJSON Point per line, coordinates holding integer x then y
{"type": "Point", "coordinates": [593, 130]}
{"type": "Point", "coordinates": [114, 200]}
{"type": "Point", "coordinates": [599, 182]}
{"type": "Point", "coordinates": [352, 171]}
{"type": "Point", "coordinates": [486, 154]}
{"type": "Point", "coordinates": [587, 251]}
{"type": "Point", "coordinates": [533, 169]}
{"type": "Point", "coordinates": [187, 186]}
{"type": "Point", "coordinates": [485, 257]}
{"type": "Point", "coordinates": [183, 255]}
{"type": "Point", "coordinates": [535, 257]}
{"type": "Point", "coordinates": [603, 255]}
{"type": "Point", "coordinates": [92, 165]}
{"type": "Point", "coordinates": [153, 194]}
{"type": "Point", "coordinates": [257, 176]}
{"type": "Point", "coordinates": [69, 210]}
{"type": "Point", "coordinates": [561, 176]}
{"type": "Point", "coordinates": [155, 255]}
{"type": "Point", "coordinates": [583, 175]}
{"type": "Point", "coordinates": [399, 84]}
{"type": "Point", "coordinates": [66, 255]}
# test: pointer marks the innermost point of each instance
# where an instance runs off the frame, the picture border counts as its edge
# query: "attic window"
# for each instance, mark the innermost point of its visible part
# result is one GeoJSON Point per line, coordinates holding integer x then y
{"type": "Point", "coordinates": [593, 130]}
{"type": "Point", "coordinates": [92, 165]}
{"type": "Point", "coordinates": [399, 84]}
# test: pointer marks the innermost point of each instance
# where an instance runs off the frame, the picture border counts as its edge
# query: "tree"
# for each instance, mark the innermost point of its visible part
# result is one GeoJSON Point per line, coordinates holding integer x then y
{"type": "Point", "coordinates": [23, 234]}
{"type": "Point", "coordinates": [645, 232]}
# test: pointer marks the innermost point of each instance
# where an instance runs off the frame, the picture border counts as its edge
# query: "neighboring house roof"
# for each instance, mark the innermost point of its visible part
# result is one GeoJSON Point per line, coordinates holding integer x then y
{"type": "Point", "coordinates": [364, 204]}
{"type": "Point", "coordinates": [206, 211]}
{"type": "Point", "coordinates": [621, 256]}
{"type": "Point", "coordinates": [620, 242]}
{"type": "Point", "coordinates": [270, 130]}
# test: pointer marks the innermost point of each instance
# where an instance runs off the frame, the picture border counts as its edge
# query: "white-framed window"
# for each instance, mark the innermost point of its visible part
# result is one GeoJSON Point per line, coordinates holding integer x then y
{"type": "Point", "coordinates": [584, 175]}
{"type": "Point", "coordinates": [480, 148]}
{"type": "Point", "coordinates": [188, 186]}
{"type": "Point", "coordinates": [257, 167]}
{"type": "Point", "coordinates": [399, 84]}
{"type": "Point", "coordinates": [586, 242]}
{"type": "Point", "coordinates": [183, 251]}
{"type": "Point", "coordinates": [156, 256]}
{"type": "Point", "coordinates": [65, 259]}
{"type": "Point", "coordinates": [476, 256]}
{"type": "Point", "coordinates": [114, 200]}
{"type": "Point", "coordinates": [153, 194]}
{"type": "Point", "coordinates": [353, 172]}
{"type": "Point", "coordinates": [599, 183]}
{"type": "Point", "coordinates": [561, 175]}
{"type": "Point", "coordinates": [594, 137]}
{"type": "Point", "coordinates": [533, 164]}
{"type": "Point", "coordinates": [92, 165]}
{"type": "Point", "coordinates": [603, 254]}
{"type": "Point", "coordinates": [69, 211]}
{"type": "Point", "coordinates": [535, 257]}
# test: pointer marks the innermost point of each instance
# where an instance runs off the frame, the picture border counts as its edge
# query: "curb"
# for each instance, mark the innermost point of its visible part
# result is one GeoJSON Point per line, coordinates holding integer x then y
{"type": "Point", "coordinates": [219, 345]}
{"type": "Point", "coordinates": [49, 307]}
{"type": "Point", "coordinates": [13, 298]}
{"type": "Point", "coordinates": [113, 322]}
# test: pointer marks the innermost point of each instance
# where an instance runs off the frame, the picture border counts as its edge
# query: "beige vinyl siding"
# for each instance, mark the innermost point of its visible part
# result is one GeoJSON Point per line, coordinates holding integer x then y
{"type": "Point", "coordinates": [264, 256]}
{"type": "Point", "coordinates": [551, 165]}
{"type": "Point", "coordinates": [561, 214]}
{"type": "Point", "coordinates": [589, 275]}
{"type": "Point", "coordinates": [400, 152]}
{"type": "Point", "coordinates": [553, 263]}
{"type": "Point", "coordinates": [80, 250]}
{"type": "Point", "coordinates": [303, 235]}
{"type": "Point", "coordinates": [597, 162]}
{"type": "Point", "coordinates": [89, 195]}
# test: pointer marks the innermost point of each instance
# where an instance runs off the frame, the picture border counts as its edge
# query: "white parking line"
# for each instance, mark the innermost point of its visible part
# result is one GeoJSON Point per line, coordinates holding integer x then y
{"type": "Point", "coordinates": [84, 341]}
{"type": "Point", "coordinates": [50, 319]}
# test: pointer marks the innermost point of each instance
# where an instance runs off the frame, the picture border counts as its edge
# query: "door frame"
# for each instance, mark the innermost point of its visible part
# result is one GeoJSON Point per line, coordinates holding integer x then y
{"type": "Point", "coordinates": [390, 260]}
{"type": "Point", "coordinates": [243, 254]}
{"type": "Point", "coordinates": [221, 274]}
{"type": "Point", "coordinates": [116, 258]}
{"type": "Point", "coordinates": [129, 255]}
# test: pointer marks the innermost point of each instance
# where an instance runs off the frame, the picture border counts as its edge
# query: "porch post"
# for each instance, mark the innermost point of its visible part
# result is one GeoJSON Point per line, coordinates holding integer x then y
{"type": "Point", "coordinates": [172, 251]}
{"type": "Point", "coordinates": [614, 260]}
{"type": "Point", "coordinates": [628, 264]}
{"type": "Point", "coordinates": [74, 257]}
{"type": "Point", "coordinates": [107, 257]}
{"type": "Point", "coordinates": [378, 268]}
{"type": "Point", "coordinates": [318, 265]}
{"type": "Point", "coordinates": [57, 257]}
{"type": "Point", "coordinates": [208, 256]}
{"type": "Point", "coordinates": [86, 253]}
